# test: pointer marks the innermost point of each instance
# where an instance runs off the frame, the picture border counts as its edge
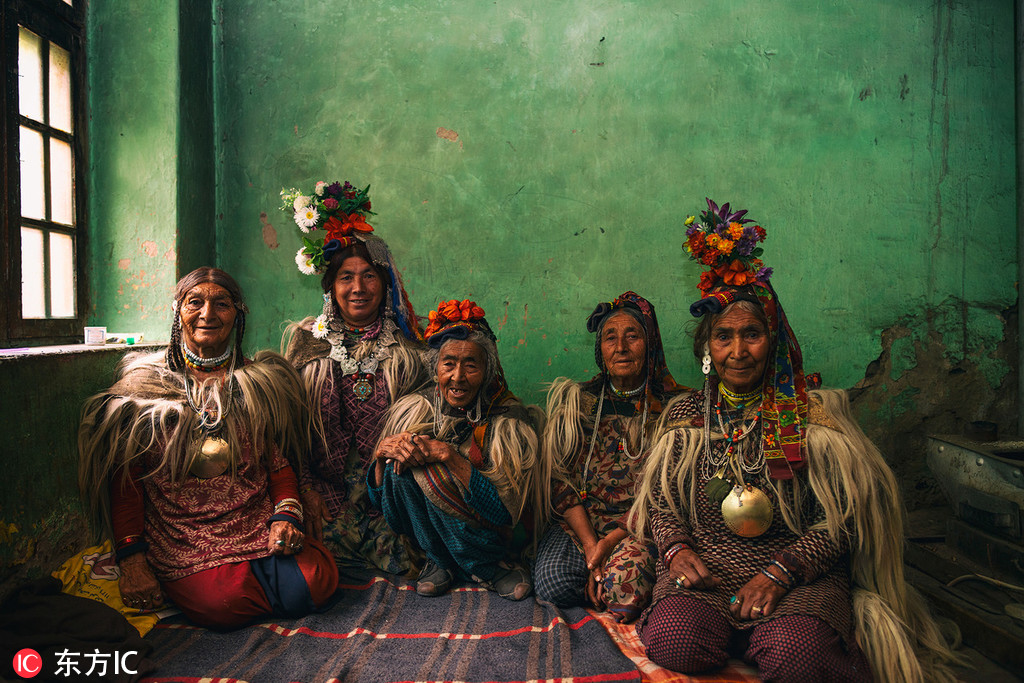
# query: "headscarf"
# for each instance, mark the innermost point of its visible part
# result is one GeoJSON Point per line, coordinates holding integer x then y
{"type": "Point", "coordinates": [784, 403]}
{"type": "Point", "coordinates": [457, 320]}
{"type": "Point", "coordinates": [660, 382]}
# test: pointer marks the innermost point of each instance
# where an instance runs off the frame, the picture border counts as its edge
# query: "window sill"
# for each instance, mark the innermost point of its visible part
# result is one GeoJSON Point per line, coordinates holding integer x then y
{"type": "Point", "coordinates": [71, 350]}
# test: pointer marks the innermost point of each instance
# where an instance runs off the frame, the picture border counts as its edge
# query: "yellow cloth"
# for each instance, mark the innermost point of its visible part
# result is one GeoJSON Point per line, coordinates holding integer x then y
{"type": "Point", "coordinates": [93, 574]}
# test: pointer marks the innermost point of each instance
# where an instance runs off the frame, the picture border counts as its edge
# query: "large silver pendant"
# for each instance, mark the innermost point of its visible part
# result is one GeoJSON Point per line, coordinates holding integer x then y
{"type": "Point", "coordinates": [211, 457]}
{"type": "Point", "coordinates": [747, 511]}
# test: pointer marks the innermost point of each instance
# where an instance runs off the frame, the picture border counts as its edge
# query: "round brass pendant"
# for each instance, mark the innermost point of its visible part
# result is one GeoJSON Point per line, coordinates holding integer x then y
{"type": "Point", "coordinates": [212, 458]}
{"type": "Point", "coordinates": [747, 511]}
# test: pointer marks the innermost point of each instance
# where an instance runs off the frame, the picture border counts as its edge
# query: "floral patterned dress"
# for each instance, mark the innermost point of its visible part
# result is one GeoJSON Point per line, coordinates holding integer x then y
{"type": "Point", "coordinates": [604, 486]}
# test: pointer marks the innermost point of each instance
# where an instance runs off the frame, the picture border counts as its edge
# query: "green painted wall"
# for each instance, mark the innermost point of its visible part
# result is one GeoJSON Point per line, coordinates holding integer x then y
{"type": "Point", "coordinates": [151, 193]}
{"type": "Point", "coordinates": [539, 157]}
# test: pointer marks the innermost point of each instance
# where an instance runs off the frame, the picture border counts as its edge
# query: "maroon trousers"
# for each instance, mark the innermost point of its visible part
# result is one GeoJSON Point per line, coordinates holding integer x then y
{"type": "Point", "coordinates": [690, 636]}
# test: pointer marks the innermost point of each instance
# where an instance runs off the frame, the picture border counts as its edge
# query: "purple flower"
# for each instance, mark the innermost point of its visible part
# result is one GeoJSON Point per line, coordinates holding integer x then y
{"type": "Point", "coordinates": [692, 230]}
{"type": "Point", "coordinates": [743, 247]}
{"type": "Point", "coordinates": [335, 188]}
{"type": "Point", "coordinates": [764, 274]}
{"type": "Point", "coordinates": [330, 203]}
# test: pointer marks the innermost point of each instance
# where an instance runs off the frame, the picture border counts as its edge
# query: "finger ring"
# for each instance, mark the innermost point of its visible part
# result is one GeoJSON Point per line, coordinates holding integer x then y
{"type": "Point", "coordinates": [298, 547]}
{"type": "Point", "coordinates": [292, 545]}
{"type": "Point", "coordinates": [733, 600]}
{"type": "Point", "coordinates": [412, 438]}
{"type": "Point", "coordinates": [681, 580]}
{"type": "Point", "coordinates": [755, 609]}
{"type": "Point", "coordinates": [279, 542]}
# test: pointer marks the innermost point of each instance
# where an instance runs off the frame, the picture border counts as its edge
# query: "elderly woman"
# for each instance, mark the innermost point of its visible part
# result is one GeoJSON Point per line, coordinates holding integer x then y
{"type": "Point", "coordinates": [356, 359]}
{"type": "Point", "coordinates": [595, 441]}
{"type": "Point", "coordinates": [189, 460]}
{"type": "Point", "coordinates": [454, 468]}
{"type": "Point", "coordinates": [777, 521]}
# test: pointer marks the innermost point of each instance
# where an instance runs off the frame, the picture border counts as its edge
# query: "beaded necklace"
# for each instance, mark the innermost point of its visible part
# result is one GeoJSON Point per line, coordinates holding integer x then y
{"type": "Point", "coordinates": [210, 453]}
{"type": "Point", "coordinates": [622, 447]}
{"type": "Point", "coordinates": [626, 393]}
{"type": "Point", "coordinates": [197, 362]}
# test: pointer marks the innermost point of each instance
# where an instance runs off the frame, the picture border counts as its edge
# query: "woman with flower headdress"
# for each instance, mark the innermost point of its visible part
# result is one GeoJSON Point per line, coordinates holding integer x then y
{"type": "Point", "coordinates": [189, 461]}
{"type": "Point", "coordinates": [454, 467]}
{"type": "Point", "coordinates": [778, 523]}
{"type": "Point", "coordinates": [356, 358]}
{"type": "Point", "coordinates": [595, 440]}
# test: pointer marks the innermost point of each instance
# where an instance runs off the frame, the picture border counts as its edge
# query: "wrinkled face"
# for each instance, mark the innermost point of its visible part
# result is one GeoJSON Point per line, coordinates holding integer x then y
{"type": "Point", "coordinates": [358, 291]}
{"type": "Point", "coordinates": [207, 318]}
{"type": "Point", "coordinates": [623, 350]}
{"type": "Point", "coordinates": [461, 368]}
{"type": "Point", "coordinates": [739, 349]}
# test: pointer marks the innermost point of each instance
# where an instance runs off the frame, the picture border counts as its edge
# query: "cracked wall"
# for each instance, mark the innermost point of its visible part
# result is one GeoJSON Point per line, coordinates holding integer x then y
{"type": "Point", "coordinates": [952, 372]}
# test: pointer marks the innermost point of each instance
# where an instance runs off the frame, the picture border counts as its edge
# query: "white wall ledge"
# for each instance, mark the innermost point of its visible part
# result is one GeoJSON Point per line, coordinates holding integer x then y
{"type": "Point", "coordinates": [71, 350]}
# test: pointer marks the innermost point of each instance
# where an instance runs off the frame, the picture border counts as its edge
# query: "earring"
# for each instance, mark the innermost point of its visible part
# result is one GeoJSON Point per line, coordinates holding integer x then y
{"type": "Point", "coordinates": [705, 366]}
{"type": "Point", "coordinates": [328, 310]}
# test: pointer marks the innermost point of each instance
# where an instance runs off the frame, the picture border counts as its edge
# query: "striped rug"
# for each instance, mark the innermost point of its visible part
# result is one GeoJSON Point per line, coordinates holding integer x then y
{"type": "Point", "coordinates": [381, 630]}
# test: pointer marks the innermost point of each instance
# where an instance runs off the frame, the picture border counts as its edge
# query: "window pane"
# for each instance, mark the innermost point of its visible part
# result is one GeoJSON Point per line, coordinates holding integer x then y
{"type": "Point", "coordinates": [61, 183]}
{"type": "Point", "coordinates": [30, 75]}
{"type": "Point", "coordinates": [32, 190]}
{"type": "Point", "coordinates": [60, 88]}
{"type": "Point", "coordinates": [62, 276]}
{"type": "Point", "coordinates": [33, 287]}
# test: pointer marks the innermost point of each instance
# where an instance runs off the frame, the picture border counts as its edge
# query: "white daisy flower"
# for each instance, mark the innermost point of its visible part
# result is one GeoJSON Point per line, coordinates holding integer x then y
{"type": "Point", "coordinates": [320, 326]}
{"type": "Point", "coordinates": [306, 218]}
{"type": "Point", "coordinates": [301, 202]}
{"type": "Point", "coordinates": [305, 262]}
{"type": "Point", "coordinates": [320, 187]}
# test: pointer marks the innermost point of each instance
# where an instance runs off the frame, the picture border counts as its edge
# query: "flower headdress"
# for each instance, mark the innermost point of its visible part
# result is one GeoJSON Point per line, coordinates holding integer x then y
{"type": "Point", "coordinates": [722, 241]}
{"type": "Point", "coordinates": [340, 210]}
{"type": "Point", "coordinates": [455, 319]}
{"type": "Point", "coordinates": [738, 274]}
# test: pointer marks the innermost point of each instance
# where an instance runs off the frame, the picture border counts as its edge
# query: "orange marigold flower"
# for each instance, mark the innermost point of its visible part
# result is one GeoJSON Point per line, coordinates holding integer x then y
{"type": "Point", "coordinates": [736, 274]}
{"type": "Point", "coordinates": [478, 313]}
{"type": "Point", "coordinates": [735, 230]}
{"type": "Point", "coordinates": [725, 246]}
{"type": "Point", "coordinates": [707, 280]}
{"type": "Point", "coordinates": [451, 311]}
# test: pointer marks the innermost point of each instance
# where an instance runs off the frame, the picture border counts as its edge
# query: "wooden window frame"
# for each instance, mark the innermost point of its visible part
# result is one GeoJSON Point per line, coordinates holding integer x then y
{"type": "Point", "coordinates": [63, 25]}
